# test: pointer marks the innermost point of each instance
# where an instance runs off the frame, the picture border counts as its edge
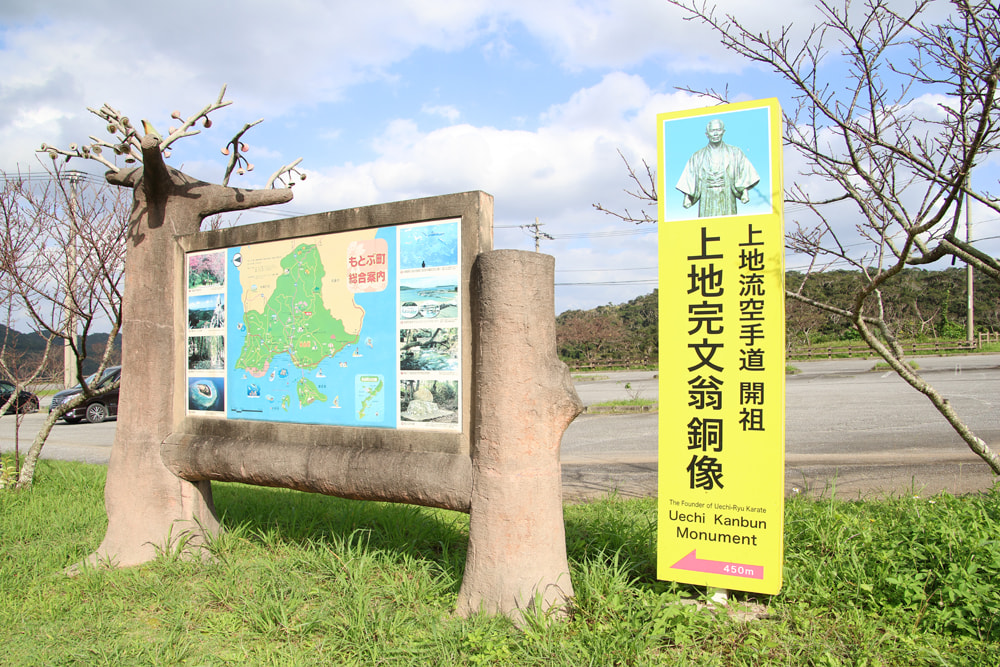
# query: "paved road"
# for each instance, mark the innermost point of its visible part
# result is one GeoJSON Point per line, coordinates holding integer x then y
{"type": "Point", "coordinates": [848, 427]}
{"type": "Point", "coordinates": [865, 431]}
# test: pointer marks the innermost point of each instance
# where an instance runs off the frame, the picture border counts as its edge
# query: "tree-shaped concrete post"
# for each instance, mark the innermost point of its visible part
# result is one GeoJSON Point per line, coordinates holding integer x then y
{"type": "Point", "coordinates": [524, 401]}
{"type": "Point", "coordinates": [149, 507]}
{"type": "Point", "coordinates": [147, 504]}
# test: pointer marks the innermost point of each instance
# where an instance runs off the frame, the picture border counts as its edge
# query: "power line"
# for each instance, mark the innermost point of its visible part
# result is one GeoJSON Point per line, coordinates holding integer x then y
{"type": "Point", "coordinates": [647, 281]}
{"type": "Point", "coordinates": [65, 175]}
{"type": "Point", "coordinates": [597, 235]}
{"type": "Point", "coordinates": [629, 268]}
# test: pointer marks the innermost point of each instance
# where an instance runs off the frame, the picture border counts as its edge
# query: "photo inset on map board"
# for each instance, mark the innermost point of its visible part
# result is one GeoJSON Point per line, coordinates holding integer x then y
{"type": "Point", "coordinates": [428, 297]}
{"type": "Point", "coordinates": [428, 246]}
{"type": "Point", "coordinates": [717, 164]}
{"type": "Point", "coordinates": [206, 353]}
{"type": "Point", "coordinates": [429, 401]}
{"type": "Point", "coordinates": [429, 349]}
{"type": "Point", "coordinates": [207, 271]}
{"type": "Point", "coordinates": [206, 394]}
{"type": "Point", "coordinates": [207, 311]}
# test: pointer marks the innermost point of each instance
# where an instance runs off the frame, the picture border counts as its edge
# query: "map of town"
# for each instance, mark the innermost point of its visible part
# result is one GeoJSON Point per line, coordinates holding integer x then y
{"type": "Point", "coordinates": [294, 318]}
{"type": "Point", "coordinates": [307, 317]}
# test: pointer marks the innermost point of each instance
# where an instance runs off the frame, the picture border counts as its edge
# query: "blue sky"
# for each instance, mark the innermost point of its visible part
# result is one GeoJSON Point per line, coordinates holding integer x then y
{"type": "Point", "coordinates": [529, 101]}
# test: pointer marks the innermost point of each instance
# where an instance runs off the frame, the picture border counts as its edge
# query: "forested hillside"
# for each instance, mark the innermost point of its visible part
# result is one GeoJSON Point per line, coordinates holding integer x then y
{"type": "Point", "coordinates": [24, 351]}
{"type": "Point", "coordinates": [626, 331]}
{"type": "Point", "coordinates": [922, 304]}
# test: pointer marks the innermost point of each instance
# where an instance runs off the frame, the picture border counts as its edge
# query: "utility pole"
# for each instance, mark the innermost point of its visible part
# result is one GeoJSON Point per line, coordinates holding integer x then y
{"type": "Point", "coordinates": [970, 325]}
{"type": "Point", "coordinates": [537, 233]}
{"type": "Point", "coordinates": [970, 318]}
{"type": "Point", "coordinates": [69, 352]}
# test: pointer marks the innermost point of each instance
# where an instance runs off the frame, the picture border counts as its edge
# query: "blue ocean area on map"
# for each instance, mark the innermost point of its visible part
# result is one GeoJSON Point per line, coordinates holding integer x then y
{"type": "Point", "coordinates": [341, 390]}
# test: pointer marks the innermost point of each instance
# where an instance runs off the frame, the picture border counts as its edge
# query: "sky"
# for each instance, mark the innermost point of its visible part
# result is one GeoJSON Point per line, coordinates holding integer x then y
{"type": "Point", "coordinates": [529, 101]}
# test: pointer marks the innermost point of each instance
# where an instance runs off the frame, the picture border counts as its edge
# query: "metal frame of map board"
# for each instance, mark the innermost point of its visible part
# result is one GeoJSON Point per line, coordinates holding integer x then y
{"type": "Point", "coordinates": [473, 213]}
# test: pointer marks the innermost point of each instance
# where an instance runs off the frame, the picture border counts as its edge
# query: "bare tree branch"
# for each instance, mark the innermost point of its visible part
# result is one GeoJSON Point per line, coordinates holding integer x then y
{"type": "Point", "coordinates": [62, 258]}
{"type": "Point", "coordinates": [645, 192]}
{"type": "Point", "coordinates": [127, 142]}
{"type": "Point", "coordinates": [886, 176]}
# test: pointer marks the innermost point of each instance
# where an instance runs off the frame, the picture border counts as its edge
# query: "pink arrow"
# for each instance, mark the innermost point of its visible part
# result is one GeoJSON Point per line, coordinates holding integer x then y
{"type": "Point", "coordinates": [692, 563]}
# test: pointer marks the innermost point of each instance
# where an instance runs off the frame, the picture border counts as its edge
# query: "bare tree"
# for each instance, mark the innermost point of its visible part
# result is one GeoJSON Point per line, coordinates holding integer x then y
{"type": "Point", "coordinates": [65, 253]}
{"type": "Point", "coordinates": [19, 368]}
{"type": "Point", "coordinates": [891, 111]}
{"type": "Point", "coordinates": [62, 256]}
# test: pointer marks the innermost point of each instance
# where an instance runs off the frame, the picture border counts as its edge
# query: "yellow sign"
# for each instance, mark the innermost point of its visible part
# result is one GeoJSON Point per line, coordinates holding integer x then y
{"type": "Point", "coordinates": [722, 347]}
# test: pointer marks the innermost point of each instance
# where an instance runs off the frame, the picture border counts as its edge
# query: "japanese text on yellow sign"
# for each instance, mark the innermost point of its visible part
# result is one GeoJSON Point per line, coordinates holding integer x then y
{"type": "Point", "coordinates": [722, 365]}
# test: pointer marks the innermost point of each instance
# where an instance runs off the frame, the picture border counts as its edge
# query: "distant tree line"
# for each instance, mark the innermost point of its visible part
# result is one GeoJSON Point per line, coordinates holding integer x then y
{"type": "Point", "coordinates": [627, 331]}
{"type": "Point", "coordinates": [27, 350]}
{"type": "Point", "coordinates": [921, 305]}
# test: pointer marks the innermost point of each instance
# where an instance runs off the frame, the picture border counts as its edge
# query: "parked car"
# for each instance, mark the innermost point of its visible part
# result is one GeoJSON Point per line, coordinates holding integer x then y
{"type": "Point", "coordinates": [96, 409]}
{"type": "Point", "coordinates": [24, 403]}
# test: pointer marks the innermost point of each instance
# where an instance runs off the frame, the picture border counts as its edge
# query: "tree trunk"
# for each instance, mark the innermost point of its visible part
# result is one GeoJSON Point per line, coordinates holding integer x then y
{"type": "Point", "coordinates": [524, 400]}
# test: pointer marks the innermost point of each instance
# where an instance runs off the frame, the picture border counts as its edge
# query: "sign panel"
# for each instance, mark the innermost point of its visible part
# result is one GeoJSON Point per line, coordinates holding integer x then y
{"type": "Point", "coordinates": [350, 328]}
{"type": "Point", "coordinates": [722, 366]}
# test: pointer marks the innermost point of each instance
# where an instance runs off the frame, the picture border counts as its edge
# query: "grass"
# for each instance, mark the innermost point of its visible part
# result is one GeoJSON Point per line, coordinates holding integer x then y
{"type": "Point", "coordinates": [588, 378]}
{"type": "Point", "coordinates": [626, 402]}
{"type": "Point", "coordinates": [300, 579]}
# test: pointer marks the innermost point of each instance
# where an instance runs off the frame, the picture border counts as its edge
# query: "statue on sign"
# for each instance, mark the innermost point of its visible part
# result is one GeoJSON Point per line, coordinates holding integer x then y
{"type": "Point", "coordinates": [717, 175]}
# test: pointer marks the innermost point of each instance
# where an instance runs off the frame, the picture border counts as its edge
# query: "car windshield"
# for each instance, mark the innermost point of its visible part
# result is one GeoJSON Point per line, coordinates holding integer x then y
{"type": "Point", "coordinates": [110, 374]}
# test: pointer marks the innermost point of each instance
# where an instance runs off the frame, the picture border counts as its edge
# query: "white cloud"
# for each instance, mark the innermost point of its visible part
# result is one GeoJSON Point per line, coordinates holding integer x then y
{"type": "Point", "coordinates": [622, 33]}
{"type": "Point", "coordinates": [446, 111]}
{"type": "Point", "coordinates": [287, 61]}
{"type": "Point", "coordinates": [69, 55]}
{"type": "Point", "coordinates": [555, 173]}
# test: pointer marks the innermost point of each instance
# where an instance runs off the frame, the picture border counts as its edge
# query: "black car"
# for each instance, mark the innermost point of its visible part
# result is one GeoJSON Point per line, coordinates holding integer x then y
{"type": "Point", "coordinates": [98, 408]}
{"type": "Point", "coordinates": [24, 403]}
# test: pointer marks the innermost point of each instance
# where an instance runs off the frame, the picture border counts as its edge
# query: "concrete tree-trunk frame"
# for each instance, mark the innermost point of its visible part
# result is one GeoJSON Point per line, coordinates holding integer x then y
{"type": "Point", "coordinates": [148, 505]}
{"type": "Point", "coordinates": [507, 476]}
{"type": "Point", "coordinates": [524, 400]}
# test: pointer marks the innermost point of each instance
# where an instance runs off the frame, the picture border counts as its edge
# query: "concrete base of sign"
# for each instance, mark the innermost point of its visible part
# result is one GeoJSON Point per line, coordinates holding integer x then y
{"type": "Point", "coordinates": [311, 458]}
{"type": "Point", "coordinates": [524, 400]}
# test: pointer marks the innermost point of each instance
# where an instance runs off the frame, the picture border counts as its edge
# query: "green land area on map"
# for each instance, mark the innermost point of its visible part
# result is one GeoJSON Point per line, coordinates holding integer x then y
{"type": "Point", "coordinates": [309, 393]}
{"type": "Point", "coordinates": [295, 320]}
{"type": "Point", "coordinates": [372, 394]}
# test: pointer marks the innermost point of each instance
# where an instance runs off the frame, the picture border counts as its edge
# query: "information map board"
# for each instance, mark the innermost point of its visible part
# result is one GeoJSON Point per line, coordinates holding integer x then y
{"type": "Point", "coordinates": [722, 328]}
{"type": "Point", "coordinates": [361, 327]}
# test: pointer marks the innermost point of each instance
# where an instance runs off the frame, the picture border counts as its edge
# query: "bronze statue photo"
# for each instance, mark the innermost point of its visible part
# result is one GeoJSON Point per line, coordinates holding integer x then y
{"type": "Point", "coordinates": [716, 176]}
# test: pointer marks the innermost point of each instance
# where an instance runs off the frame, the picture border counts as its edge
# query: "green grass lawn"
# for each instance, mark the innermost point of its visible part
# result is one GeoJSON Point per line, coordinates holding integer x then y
{"type": "Point", "coordinates": [300, 579]}
{"type": "Point", "coordinates": [626, 403]}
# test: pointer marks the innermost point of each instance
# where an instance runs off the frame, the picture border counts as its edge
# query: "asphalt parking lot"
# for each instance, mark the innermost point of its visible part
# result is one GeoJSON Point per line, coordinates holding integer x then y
{"type": "Point", "coordinates": [849, 430]}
